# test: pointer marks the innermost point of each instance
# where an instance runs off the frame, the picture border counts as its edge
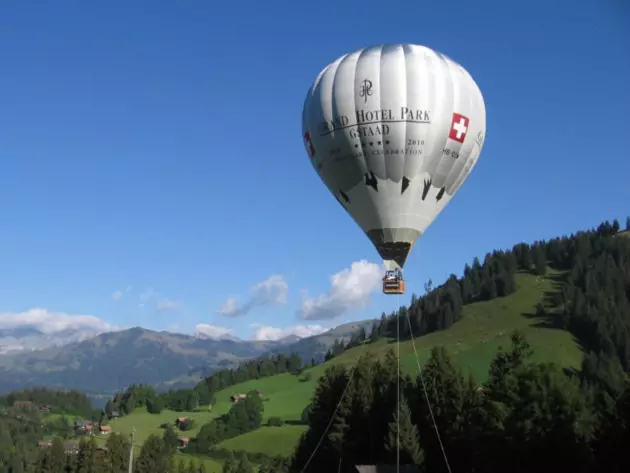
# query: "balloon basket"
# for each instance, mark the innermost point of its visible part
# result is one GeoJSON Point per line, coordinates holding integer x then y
{"type": "Point", "coordinates": [394, 287]}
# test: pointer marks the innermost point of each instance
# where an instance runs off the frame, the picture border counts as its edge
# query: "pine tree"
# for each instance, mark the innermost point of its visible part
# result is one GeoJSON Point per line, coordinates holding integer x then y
{"type": "Point", "coordinates": [86, 459]}
{"type": "Point", "coordinates": [410, 451]}
{"type": "Point", "coordinates": [229, 465]}
{"type": "Point", "coordinates": [56, 456]}
{"type": "Point", "coordinates": [117, 453]}
{"type": "Point", "coordinates": [540, 261]}
{"type": "Point", "coordinates": [244, 466]}
{"type": "Point", "coordinates": [154, 456]}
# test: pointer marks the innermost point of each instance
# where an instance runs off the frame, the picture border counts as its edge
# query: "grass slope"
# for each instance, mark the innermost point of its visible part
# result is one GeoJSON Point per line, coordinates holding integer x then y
{"type": "Point", "coordinates": [269, 440]}
{"type": "Point", "coordinates": [472, 342]}
{"type": "Point", "coordinates": [147, 424]}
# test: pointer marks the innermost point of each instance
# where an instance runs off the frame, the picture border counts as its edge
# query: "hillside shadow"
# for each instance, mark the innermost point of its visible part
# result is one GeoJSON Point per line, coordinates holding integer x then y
{"type": "Point", "coordinates": [550, 319]}
{"type": "Point", "coordinates": [295, 422]}
{"type": "Point", "coordinates": [571, 373]}
{"type": "Point", "coordinates": [551, 300]}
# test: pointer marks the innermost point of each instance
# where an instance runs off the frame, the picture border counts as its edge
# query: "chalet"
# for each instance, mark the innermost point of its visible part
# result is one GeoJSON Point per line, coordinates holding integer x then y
{"type": "Point", "coordinates": [44, 444]}
{"type": "Point", "coordinates": [105, 429]}
{"type": "Point", "coordinates": [44, 409]}
{"type": "Point", "coordinates": [239, 397]}
{"type": "Point", "coordinates": [181, 420]}
{"type": "Point", "coordinates": [23, 404]}
{"type": "Point", "coordinates": [183, 442]}
{"type": "Point", "coordinates": [114, 415]}
{"type": "Point", "coordinates": [83, 426]}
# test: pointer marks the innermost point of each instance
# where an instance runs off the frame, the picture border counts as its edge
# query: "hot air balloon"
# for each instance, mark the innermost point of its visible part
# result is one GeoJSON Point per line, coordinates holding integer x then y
{"type": "Point", "coordinates": [393, 131]}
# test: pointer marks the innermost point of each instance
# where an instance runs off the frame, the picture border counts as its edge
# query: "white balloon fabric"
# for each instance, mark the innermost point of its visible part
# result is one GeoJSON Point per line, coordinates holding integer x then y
{"type": "Point", "coordinates": [393, 131]}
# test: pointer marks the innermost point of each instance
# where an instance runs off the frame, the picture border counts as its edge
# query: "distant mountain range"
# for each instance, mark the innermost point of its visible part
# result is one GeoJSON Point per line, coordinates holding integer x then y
{"type": "Point", "coordinates": [28, 338]}
{"type": "Point", "coordinates": [111, 361]}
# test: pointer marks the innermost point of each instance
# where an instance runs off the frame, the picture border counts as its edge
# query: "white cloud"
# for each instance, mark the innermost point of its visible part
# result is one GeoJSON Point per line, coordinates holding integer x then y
{"type": "Point", "coordinates": [151, 297]}
{"type": "Point", "coordinates": [41, 328]}
{"type": "Point", "coordinates": [212, 331]}
{"type": "Point", "coordinates": [350, 289]}
{"type": "Point", "coordinates": [117, 295]}
{"type": "Point", "coordinates": [273, 333]}
{"type": "Point", "coordinates": [230, 306]}
{"type": "Point", "coordinates": [272, 291]}
{"type": "Point", "coordinates": [166, 306]}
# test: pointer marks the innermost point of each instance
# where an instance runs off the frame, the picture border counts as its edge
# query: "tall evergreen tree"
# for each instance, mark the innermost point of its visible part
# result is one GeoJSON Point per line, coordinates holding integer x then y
{"type": "Point", "coordinates": [117, 459]}
{"type": "Point", "coordinates": [244, 466]}
{"type": "Point", "coordinates": [408, 443]}
{"type": "Point", "coordinates": [229, 463]}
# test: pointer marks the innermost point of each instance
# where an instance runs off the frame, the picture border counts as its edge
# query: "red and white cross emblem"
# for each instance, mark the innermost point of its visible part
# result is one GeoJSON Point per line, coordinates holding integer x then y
{"type": "Point", "coordinates": [459, 127]}
{"type": "Point", "coordinates": [309, 143]}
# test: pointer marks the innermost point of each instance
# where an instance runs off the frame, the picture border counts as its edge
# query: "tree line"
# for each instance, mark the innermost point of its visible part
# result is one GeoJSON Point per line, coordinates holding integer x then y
{"type": "Point", "coordinates": [157, 455]}
{"type": "Point", "coordinates": [59, 401]}
{"type": "Point", "coordinates": [244, 416]}
{"type": "Point", "coordinates": [252, 369]}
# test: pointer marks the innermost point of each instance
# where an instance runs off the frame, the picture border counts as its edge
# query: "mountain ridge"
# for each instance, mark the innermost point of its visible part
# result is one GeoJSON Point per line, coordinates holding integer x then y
{"type": "Point", "coordinates": [112, 360]}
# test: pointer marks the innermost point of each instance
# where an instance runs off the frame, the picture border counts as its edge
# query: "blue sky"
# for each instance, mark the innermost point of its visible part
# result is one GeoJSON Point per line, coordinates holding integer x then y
{"type": "Point", "coordinates": [154, 148]}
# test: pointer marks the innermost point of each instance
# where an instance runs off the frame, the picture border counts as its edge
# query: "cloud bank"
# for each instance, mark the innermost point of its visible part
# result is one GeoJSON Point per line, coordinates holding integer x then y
{"type": "Point", "coordinates": [212, 331]}
{"type": "Point", "coordinates": [264, 332]}
{"type": "Point", "coordinates": [41, 328]}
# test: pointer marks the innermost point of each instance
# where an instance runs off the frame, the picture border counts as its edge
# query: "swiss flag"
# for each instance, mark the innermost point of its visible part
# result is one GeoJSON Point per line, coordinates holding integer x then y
{"type": "Point", "coordinates": [309, 143]}
{"type": "Point", "coordinates": [459, 127]}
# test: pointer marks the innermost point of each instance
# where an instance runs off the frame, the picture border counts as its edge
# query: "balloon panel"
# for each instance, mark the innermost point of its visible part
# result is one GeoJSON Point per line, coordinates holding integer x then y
{"type": "Point", "coordinates": [393, 131]}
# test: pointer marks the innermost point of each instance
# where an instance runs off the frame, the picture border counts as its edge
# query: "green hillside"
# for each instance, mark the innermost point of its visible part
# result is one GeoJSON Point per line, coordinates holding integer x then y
{"type": "Point", "coordinates": [472, 341]}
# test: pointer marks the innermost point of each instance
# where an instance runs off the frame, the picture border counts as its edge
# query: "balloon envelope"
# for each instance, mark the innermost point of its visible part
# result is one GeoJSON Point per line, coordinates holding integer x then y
{"type": "Point", "coordinates": [393, 131]}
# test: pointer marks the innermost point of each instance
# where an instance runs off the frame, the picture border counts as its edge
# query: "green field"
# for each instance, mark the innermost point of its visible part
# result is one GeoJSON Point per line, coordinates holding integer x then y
{"type": "Point", "coordinates": [147, 424]}
{"type": "Point", "coordinates": [269, 440]}
{"type": "Point", "coordinates": [284, 395]}
{"type": "Point", "coordinates": [212, 466]}
{"type": "Point", "coordinates": [472, 342]}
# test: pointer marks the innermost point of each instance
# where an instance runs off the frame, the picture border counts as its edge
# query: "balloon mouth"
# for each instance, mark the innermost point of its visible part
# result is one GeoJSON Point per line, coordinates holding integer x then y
{"type": "Point", "coordinates": [393, 245]}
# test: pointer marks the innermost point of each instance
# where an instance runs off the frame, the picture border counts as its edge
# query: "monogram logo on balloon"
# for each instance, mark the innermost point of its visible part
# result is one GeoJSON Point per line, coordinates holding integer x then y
{"type": "Point", "coordinates": [366, 90]}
